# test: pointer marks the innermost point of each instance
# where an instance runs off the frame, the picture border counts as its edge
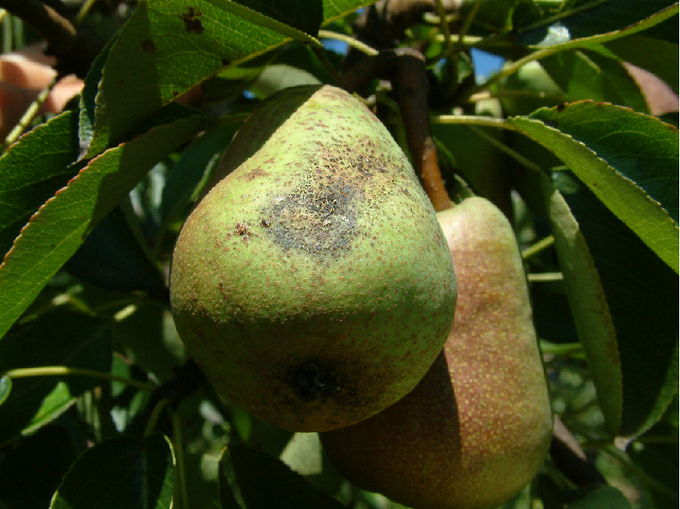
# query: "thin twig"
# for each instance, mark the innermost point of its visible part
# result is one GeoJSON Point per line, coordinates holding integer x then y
{"type": "Point", "coordinates": [350, 41]}
{"type": "Point", "coordinates": [68, 371]}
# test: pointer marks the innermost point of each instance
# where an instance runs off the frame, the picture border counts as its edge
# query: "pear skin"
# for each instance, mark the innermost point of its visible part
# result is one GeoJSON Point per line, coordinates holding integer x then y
{"type": "Point", "coordinates": [477, 428]}
{"type": "Point", "coordinates": [312, 283]}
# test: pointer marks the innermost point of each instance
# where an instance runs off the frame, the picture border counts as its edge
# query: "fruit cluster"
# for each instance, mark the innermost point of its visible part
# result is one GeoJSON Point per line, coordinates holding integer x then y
{"type": "Point", "coordinates": [314, 285]}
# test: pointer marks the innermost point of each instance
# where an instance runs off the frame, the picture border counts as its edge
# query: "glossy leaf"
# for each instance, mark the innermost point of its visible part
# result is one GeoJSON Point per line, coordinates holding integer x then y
{"type": "Point", "coordinates": [61, 225]}
{"type": "Point", "coordinates": [288, 17]}
{"type": "Point", "coordinates": [32, 170]}
{"type": "Point", "coordinates": [629, 160]}
{"type": "Point", "coordinates": [642, 298]}
{"type": "Point", "coordinates": [250, 479]}
{"type": "Point", "coordinates": [166, 48]}
{"type": "Point", "coordinates": [120, 473]}
{"type": "Point", "coordinates": [54, 339]}
{"type": "Point", "coordinates": [333, 9]}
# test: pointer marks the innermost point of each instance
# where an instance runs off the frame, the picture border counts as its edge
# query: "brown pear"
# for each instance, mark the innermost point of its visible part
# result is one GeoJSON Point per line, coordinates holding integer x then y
{"type": "Point", "coordinates": [477, 428]}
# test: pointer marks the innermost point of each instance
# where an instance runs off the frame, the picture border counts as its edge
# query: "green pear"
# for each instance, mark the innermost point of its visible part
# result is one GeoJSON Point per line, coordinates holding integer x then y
{"type": "Point", "coordinates": [313, 283]}
{"type": "Point", "coordinates": [477, 428]}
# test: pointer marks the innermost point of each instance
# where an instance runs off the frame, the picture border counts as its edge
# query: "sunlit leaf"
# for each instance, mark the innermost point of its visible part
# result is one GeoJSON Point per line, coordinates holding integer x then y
{"type": "Point", "coordinates": [629, 160]}
{"type": "Point", "coordinates": [60, 226]}
{"type": "Point", "coordinates": [32, 170]}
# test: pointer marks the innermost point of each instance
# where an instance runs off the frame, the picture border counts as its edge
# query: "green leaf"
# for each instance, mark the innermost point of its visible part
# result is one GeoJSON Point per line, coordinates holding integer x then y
{"type": "Point", "coordinates": [32, 170]}
{"type": "Point", "coordinates": [600, 497]}
{"type": "Point", "coordinates": [584, 74]}
{"type": "Point", "coordinates": [297, 19]}
{"type": "Point", "coordinates": [61, 225]}
{"type": "Point", "coordinates": [169, 46]}
{"type": "Point", "coordinates": [598, 22]}
{"type": "Point", "coordinates": [54, 339]}
{"type": "Point", "coordinates": [642, 298]}
{"type": "Point", "coordinates": [589, 308]}
{"type": "Point", "coordinates": [250, 479]}
{"type": "Point", "coordinates": [166, 48]}
{"type": "Point", "coordinates": [333, 9]}
{"type": "Point", "coordinates": [629, 160]}
{"type": "Point", "coordinates": [120, 473]}
{"type": "Point", "coordinates": [192, 169]}
{"type": "Point", "coordinates": [88, 103]}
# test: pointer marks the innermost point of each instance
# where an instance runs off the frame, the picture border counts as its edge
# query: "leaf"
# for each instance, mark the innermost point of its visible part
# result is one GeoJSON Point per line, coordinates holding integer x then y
{"type": "Point", "coordinates": [250, 479]}
{"type": "Point", "coordinates": [301, 15]}
{"type": "Point", "coordinates": [642, 297]}
{"type": "Point", "coordinates": [629, 160]}
{"type": "Point", "coordinates": [60, 226]}
{"type": "Point", "coordinates": [120, 473]}
{"type": "Point", "coordinates": [88, 104]}
{"type": "Point", "coordinates": [193, 168]}
{"type": "Point", "coordinates": [599, 498]}
{"type": "Point", "coordinates": [169, 46]}
{"type": "Point", "coordinates": [333, 9]}
{"type": "Point", "coordinates": [584, 74]}
{"type": "Point", "coordinates": [54, 339]}
{"type": "Point", "coordinates": [32, 170]}
{"type": "Point", "coordinates": [589, 308]}
{"type": "Point", "coordinates": [598, 22]}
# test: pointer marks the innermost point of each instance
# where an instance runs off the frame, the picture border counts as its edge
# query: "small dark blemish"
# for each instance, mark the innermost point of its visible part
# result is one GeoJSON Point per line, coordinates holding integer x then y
{"type": "Point", "coordinates": [192, 23]}
{"type": "Point", "coordinates": [148, 45]}
{"type": "Point", "coordinates": [313, 381]}
{"type": "Point", "coordinates": [241, 228]}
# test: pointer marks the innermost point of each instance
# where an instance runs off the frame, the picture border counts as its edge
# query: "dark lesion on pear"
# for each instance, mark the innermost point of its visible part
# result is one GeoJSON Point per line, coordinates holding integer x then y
{"type": "Point", "coordinates": [318, 218]}
{"type": "Point", "coordinates": [313, 380]}
{"type": "Point", "coordinates": [320, 215]}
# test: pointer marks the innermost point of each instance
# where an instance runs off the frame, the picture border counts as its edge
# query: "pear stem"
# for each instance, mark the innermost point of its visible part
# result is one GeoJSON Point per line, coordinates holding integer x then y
{"type": "Point", "coordinates": [413, 88]}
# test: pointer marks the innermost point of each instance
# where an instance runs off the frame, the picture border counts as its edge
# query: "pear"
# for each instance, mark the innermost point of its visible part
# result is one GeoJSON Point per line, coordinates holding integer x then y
{"type": "Point", "coordinates": [313, 283]}
{"type": "Point", "coordinates": [477, 428]}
